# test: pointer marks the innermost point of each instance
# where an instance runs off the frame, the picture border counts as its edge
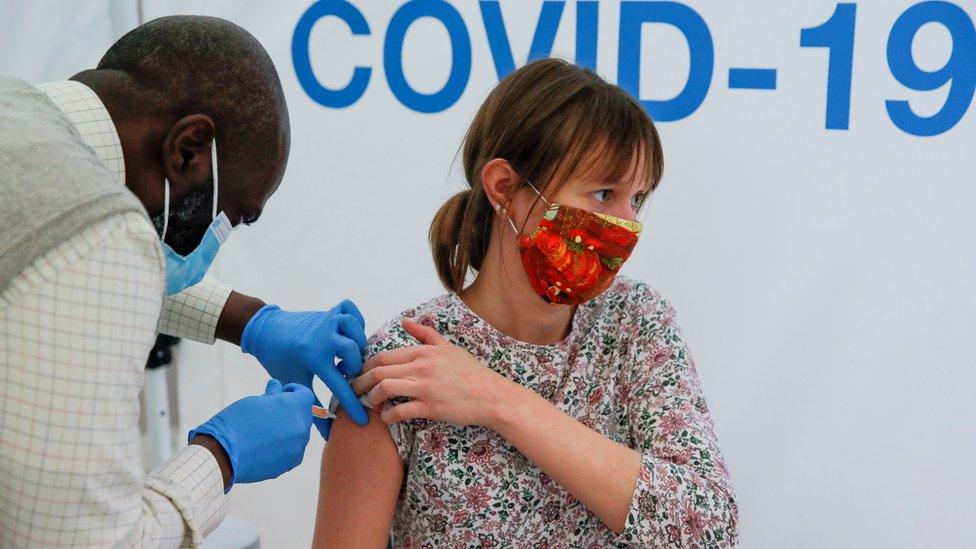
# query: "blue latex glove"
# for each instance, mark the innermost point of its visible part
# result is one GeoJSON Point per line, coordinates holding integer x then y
{"type": "Point", "coordinates": [264, 436]}
{"type": "Point", "coordinates": [293, 347]}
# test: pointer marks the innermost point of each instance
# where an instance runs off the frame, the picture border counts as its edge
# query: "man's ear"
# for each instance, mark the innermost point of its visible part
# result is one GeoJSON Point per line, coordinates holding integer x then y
{"type": "Point", "coordinates": [187, 153]}
{"type": "Point", "coordinates": [499, 180]}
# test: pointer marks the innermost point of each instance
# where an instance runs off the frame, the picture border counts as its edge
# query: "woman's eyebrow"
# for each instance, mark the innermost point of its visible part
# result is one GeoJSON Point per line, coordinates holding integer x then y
{"type": "Point", "coordinates": [645, 188]}
{"type": "Point", "coordinates": [602, 183]}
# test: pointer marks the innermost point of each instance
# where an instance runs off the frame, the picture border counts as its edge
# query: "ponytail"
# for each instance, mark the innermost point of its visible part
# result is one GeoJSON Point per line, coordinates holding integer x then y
{"type": "Point", "coordinates": [459, 237]}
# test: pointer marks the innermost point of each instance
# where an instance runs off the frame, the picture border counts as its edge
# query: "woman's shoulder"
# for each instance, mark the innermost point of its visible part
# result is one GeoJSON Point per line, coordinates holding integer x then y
{"type": "Point", "coordinates": [437, 312]}
{"type": "Point", "coordinates": [631, 300]}
{"type": "Point", "coordinates": [635, 315]}
{"type": "Point", "coordinates": [646, 327]}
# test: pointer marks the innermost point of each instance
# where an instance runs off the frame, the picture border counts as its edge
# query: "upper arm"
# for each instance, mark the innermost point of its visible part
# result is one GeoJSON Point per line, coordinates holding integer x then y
{"type": "Point", "coordinates": [682, 464]}
{"type": "Point", "coordinates": [665, 397]}
{"type": "Point", "coordinates": [668, 415]}
{"type": "Point", "coordinates": [359, 485]}
{"type": "Point", "coordinates": [78, 328]}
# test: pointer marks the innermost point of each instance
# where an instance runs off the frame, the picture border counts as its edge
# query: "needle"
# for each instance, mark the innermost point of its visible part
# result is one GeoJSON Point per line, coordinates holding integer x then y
{"type": "Point", "coordinates": [321, 412]}
{"type": "Point", "coordinates": [325, 413]}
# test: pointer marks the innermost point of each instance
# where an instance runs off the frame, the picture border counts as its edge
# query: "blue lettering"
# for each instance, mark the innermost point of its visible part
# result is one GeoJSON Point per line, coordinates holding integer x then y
{"type": "Point", "coordinates": [702, 52]}
{"type": "Point", "coordinates": [303, 65]}
{"type": "Point", "coordinates": [501, 49]}
{"type": "Point", "coordinates": [587, 23]}
{"type": "Point", "coordinates": [460, 55]}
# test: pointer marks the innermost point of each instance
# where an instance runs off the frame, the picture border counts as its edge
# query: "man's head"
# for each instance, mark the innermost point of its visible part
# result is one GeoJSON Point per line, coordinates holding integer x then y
{"type": "Point", "coordinates": [173, 86]}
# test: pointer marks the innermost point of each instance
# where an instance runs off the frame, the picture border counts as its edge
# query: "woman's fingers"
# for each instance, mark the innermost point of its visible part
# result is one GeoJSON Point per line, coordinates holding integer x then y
{"type": "Point", "coordinates": [424, 334]}
{"type": "Point", "coordinates": [368, 380]}
{"type": "Point", "coordinates": [401, 355]}
{"type": "Point", "coordinates": [405, 411]}
{"type": "Point", "coordinates": [392, 388]}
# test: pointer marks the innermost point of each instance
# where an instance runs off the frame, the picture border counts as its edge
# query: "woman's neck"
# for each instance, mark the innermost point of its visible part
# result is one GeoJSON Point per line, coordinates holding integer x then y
{"type": "Point", "coordinates": [502, 295]}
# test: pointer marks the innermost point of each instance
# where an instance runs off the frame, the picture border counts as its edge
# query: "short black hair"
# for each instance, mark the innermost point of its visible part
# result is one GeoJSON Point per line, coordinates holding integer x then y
{"type": "Point", "coordinates": [188, 64]}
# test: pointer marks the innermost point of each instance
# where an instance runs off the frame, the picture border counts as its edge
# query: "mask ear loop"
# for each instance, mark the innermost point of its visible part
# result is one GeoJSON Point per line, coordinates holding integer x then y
{"type": "Point", "coordinates": [165, 208]}
{"type": "Point", "coordinates": [503, 211]}
{"type": "Point", "coordinates": [213, 163]}
{"type": "Point", "coordinates": [510, 222]}
{"type": "Point", "coordinates": [544, 199]}
{"type": "Point", "coordinates": [499, 209]}
{"type": "Point", "coordinates": [538, 193]}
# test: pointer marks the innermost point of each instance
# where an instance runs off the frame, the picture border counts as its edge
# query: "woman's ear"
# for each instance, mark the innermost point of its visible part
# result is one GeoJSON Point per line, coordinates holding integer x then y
{"type": "Point", "coordinates": [499, 180]}
{"type": "Point", "coordinates": [186, 153]}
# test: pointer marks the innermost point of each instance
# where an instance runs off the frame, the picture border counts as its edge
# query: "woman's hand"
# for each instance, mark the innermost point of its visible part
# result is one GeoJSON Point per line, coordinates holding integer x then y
{"type": "Point", "coordinates": [445, 382]}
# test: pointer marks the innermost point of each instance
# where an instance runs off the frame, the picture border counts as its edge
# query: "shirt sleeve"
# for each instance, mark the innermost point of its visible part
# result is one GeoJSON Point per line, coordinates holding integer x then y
{"type": "Point", "coordinates": [193, 313]}
{"type": "Point", "coordinates": [393, 336]}
{"type": "Point", "coordinates": [683, 496]}
{"type": "Point", "coordinates": [76, 328]}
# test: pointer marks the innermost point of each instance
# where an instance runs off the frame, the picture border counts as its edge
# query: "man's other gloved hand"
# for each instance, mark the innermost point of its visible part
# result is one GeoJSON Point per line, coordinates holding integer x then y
{"type": "Point", "coordinates": [294, 346]}
{"type": "Point", "coordinates": [263, 436]}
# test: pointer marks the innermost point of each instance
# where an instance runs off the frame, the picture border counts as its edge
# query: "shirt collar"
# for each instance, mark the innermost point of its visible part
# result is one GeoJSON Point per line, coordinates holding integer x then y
{"type": "Point", "coordinates": [91, 119]}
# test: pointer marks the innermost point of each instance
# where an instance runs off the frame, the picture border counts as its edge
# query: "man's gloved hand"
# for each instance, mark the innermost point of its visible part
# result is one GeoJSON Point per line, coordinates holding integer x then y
{"type": "Point", "coordinates": [263, 436]}
{"type": "Point", "coordinates": [294, 346]}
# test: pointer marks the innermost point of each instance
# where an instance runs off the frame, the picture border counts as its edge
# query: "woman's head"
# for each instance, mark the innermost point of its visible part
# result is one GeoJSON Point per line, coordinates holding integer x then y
{"type": "Point", "coordinates": [560, 129]}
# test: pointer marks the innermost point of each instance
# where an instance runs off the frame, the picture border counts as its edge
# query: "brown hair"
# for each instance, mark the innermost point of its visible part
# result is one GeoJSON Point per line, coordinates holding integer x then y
{"type": "Point", "coordinates": [546, 119]}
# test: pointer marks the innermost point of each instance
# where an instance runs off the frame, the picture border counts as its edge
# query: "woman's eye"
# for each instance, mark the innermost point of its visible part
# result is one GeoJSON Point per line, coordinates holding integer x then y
{"type": "Point", "coordinates": [638, 200]}
{"type": "Point", "coordinates": [602, 196]}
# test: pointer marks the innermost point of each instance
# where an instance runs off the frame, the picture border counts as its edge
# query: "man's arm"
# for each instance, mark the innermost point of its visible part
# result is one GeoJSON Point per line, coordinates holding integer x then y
{"type": "Point", "coordinates": [237, 312]}
{"type": "Point", "coordinates": [195, 312]}
{"type": "Point", "coordinates": [76, 331]}
{"type": "Point", "coordinates": [219, 454]}
{"type": "Point", "coordinates": [357, 497]}
{"type": "Point", "coordinates": [206, 312]}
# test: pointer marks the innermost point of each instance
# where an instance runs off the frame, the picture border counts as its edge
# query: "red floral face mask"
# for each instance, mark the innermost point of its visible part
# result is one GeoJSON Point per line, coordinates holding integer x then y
{"type": "Point", "coordinates": [574, 254]}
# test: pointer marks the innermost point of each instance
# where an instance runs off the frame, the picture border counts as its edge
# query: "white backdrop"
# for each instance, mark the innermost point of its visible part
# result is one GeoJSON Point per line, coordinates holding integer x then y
{"type": "Point", "coordinates": [825, 278]}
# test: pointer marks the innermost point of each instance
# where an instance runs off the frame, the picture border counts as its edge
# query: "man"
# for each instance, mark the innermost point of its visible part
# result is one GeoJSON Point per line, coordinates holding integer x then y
{"type": "Point", "coordinates": [113, 201]}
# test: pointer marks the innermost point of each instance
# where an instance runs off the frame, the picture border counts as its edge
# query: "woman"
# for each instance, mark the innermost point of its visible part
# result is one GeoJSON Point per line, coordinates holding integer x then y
{"type": "Point", "coordinates": [547, 403]}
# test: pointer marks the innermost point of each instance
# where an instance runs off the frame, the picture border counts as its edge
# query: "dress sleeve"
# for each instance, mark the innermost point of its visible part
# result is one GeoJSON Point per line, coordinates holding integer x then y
{"type": "Point", "coordinates": [392, 336]}
{"type": "Point", "coordinates": [683, 496]}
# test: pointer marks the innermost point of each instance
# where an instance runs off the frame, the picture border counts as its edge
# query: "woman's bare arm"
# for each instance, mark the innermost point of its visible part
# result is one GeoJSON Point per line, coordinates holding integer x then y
{"type": "Point", "coordinates": [359, 485]}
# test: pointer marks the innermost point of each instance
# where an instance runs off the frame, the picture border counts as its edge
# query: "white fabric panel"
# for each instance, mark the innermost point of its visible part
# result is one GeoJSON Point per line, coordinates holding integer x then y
{"type": "Point", "coordinates": [826, 280]}
{"type": "Point", "coordinates": [54, 39]}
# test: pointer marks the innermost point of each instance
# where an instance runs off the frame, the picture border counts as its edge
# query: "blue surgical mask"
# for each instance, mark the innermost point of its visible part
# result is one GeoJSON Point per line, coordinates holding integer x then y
{"type": "Point", "coordinates": [183, 271]}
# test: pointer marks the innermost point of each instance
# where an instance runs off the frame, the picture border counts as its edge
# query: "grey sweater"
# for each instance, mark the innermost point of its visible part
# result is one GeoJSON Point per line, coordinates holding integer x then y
{"type": "Point", "coordinates": [52, 185]}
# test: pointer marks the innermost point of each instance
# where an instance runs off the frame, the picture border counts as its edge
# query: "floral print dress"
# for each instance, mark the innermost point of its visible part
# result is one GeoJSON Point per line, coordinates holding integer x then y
{"type": "Point", "coordinates": [623, 370]}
